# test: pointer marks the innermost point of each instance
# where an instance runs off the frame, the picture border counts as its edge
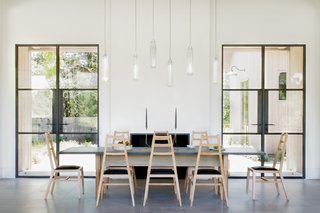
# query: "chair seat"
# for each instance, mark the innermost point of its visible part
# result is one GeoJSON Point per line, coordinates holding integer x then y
{"type": "Point", "coordinates": [162, 171]}
{"type": "Point", "coordinates": [68, 167]}
{"type": "Point", "coordinates": [266, 168]}
{"type": "Point", "coordinates": [208, 172]}
{"type": "Point", "coordinates": [115, 172]}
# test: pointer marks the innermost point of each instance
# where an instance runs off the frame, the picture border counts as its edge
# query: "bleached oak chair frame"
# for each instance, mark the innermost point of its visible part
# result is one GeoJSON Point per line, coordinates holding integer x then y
{"type": "Point", "coordinates": [196, 137]}
{"type": "Point", "coordinates": [124, 136]}
{"type": "Point", "coordinates": [279, 157]}
{"type": "Point", "coordinates": [162, 146]}
{"type": "Point", "coordinates": [209, 176]}
{"type": "Point", "coordinates": [58, 171]}
{"type": "Point", "coordinates": [109, 175]}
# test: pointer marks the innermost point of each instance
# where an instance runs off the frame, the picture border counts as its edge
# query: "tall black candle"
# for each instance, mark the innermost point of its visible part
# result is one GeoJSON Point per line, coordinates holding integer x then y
{"type": "Point", "coordinates": [146, 118]}
{"type": "Point", "coordinates": [175, 118]}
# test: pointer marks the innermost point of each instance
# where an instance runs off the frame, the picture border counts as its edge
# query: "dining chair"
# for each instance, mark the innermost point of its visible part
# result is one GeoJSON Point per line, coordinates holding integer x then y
{"type": "Point", "coordinates": [114, 176]}
{"type": "Point", "coordinates": [61, 172]}
{"type": "Point", "coordinates": [162, 148]}
{"type": "Point", "coordinates": [196, 137]}
{"type": "Point", "coordinates": [205, 175]}
{"type": "Point", "coordinates": [123, 136]}
{"type": "Point", "coordinates": [274, 170]}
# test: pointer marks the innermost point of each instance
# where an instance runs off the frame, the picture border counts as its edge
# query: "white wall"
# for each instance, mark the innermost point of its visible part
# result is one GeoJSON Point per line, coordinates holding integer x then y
{"type": "Point", "coordinates": [198, 101]}
{"type": "Point", "coordinates": [1, 57]}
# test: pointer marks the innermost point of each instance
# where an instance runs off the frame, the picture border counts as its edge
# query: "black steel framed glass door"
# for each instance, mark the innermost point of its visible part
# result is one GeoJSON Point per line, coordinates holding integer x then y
{"type": "Point", "coordinates": [57, 92]}
{"type": "Point", "coordinates": [262, 96]}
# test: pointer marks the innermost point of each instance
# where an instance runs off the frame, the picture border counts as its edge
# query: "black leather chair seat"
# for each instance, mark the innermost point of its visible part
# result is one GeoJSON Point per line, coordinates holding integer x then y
{"type": "Point", "coordinates": [67, 167]}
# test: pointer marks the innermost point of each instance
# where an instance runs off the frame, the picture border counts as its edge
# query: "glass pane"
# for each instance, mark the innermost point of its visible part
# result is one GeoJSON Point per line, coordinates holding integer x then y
{"type": "Point", "coordinates": [236, 108]}
{"type": "Point", "coordinates": [241, 64]}
{"type": "Point", "coordinates": [80, 111]}
{"type": "Point", "coordinates": [248, 141]}
{"type": "Point", "coordinates": [79, 140]}
{"type": "Point", "coordinates": [37, 67]}
{"type": "Point", "coordinates": [35, 111]}
{"type": "Point", "coordinates": [238, 164]}
{"type": "Point", "coordinates": [78, 67]}
{"type": "Point", "coordinates": [33, 156]}
{"type": "Point", "coordinates": [293, 160]}
{"type": "Point", "coordinates": [285, 114]}
{"type": "Point", "coordinates": [284, 59]}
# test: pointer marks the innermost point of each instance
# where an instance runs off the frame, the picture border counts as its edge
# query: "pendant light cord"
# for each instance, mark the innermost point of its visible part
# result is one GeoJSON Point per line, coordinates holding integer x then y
{"type": "Point", "coordinates": [190, 22]}
{"type": "Point", "coordinates": [170, 29]}
{"type": "Point", "coordinates": [215, 28]}
{"type": "Point", "coordinates": [153, 19]}
{"type": "Point", "coordinates": [104, 27]}
{"type": "Point", "coordinates": [135, 26]}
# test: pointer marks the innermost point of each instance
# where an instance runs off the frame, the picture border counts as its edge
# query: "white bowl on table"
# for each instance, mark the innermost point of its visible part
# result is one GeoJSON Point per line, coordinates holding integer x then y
{"type": "Point", "coordinates": [190, 146]}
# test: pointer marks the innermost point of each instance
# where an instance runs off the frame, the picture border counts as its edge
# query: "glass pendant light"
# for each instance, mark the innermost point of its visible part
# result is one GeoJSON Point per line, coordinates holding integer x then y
{"type": "Point", "coordinates": [135, 67]}
{"type": "Point", "coordinates": [170, 76]}
{"type": "Point", "coordinates": [105, 58]}
{"type": "Point", "coordinates": [189, 67]}
{"type": "Point", "coordinates": [169, 67]}
{"type": "Point", "coordinates": [153, 46]}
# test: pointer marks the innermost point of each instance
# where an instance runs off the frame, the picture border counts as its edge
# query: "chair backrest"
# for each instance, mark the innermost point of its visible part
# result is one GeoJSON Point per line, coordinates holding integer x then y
{"type": "Point", "coordinates": [205, 149]}
{"type": "Point", "coordinates": [197, 136]}
{"type": "Point", "coordinates": [51, 151]}
{"type": "Point", "coordinates": [281, 149]}
{"type": "Point", "coordinates": [115, 149]}
{"type": "Point", "coordinates": [121, 136]}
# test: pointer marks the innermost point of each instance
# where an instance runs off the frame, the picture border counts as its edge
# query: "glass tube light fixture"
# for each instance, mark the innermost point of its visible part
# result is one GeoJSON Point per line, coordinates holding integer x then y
{"type": "Point", "coordinates": [170, 74]}
{"type": "Point", "coordinates": [169, 67]}
{"type": "Point", "coordinates": [105, 67]}
{"type": "Point", "coordinates": [189, 68]}
{"type": "Point", "coordinates": [153, 45]}
{"type": "Point", "coordinates": [135, 68]}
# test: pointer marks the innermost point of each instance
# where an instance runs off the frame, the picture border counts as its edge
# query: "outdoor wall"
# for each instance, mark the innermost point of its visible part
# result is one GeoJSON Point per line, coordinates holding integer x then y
{"type": "Point", "coordinates": [123, 101]}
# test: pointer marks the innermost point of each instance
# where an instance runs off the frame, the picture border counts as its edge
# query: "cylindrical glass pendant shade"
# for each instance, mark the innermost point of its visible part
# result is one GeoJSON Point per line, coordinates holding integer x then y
{"type": "Point", "coordinates": [135, 67]}
{"type": "Point", "coordinates": [170, 74]}
{"type": "Point", "coordinates": [189, 60]}
{"type": "Point", "coordinates": [153, 53]}
{"type": "Point", "coordinates": [215, 70]}
{"type": "Point", "coordinates": [105, 68]}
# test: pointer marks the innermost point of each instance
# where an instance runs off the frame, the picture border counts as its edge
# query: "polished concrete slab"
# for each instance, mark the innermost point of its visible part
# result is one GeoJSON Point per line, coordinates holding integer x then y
{"type": "Point", "coordinates": [26, 195]}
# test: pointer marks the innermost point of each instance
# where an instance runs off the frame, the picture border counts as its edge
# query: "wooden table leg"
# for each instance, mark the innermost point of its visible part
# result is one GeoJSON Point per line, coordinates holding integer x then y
{"type": "Point", "coordinates": [226, 170]}
{"type": "Point", "coordinates": [98, 171]}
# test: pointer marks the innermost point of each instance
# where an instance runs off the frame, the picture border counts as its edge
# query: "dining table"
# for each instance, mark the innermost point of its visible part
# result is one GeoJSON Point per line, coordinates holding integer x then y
{"type": "Point", "coordinates": [139, 157]}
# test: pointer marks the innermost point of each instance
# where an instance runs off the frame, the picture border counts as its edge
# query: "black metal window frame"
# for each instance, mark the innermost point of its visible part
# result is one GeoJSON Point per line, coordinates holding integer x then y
{"type": "Point", "coordinates": [55, 98]}
{"type": "Point", "coordinates": [262, 112]}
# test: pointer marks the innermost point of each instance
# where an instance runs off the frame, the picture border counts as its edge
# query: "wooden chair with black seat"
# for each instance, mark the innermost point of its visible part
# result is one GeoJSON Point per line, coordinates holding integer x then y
{"type": "Point", "coordinates": [208, 175]}
{"type": "Point", "coordinates": [115, 176]}
{"type": "Point", "coordinates": [273, 170]}
{"type": "Point", "coordinates": [124, 137]}
{"type": "Point", "coordinates": [61, 172]}
{"type": "Point", "coordinates": [196, 137]}
{"type": "Point", "coordinates": [161, 151]}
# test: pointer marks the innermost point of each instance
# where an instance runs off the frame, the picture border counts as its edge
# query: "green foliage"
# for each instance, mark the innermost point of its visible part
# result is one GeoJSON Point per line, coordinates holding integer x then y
{"type": "Point", "coordinates": [226, 110]}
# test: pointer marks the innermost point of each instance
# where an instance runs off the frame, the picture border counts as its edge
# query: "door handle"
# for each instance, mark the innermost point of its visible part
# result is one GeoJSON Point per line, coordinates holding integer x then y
{"type": "Point", "coordinates": [53, 124]}
{"type": "Point", "coordinates": [256, 124]}
{"type": "Point", "coordinates": [270, 124]}
{"type": "Point", "coordinates": [64, 124]}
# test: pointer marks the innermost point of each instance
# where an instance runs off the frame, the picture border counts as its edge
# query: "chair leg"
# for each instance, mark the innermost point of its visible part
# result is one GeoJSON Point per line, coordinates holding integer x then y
{"type": "Point", "coordinates": [284, 189]}
{"type": "Point", "coordinates": [186, 180]}
{"type": "Point", "coordinates": [192, 189]}
{"type": "Point", "coordinates": [220, 182]}
{"type": "Point", "coordinates": [178, 189]}
{"type": "Point", "coordinates": [80, 183]}
{"type": "Point", "coordinates": [253, 185]}
{"type": "Point", "coordinates": [82, 180]}
{"type": "Point", "coordinates": [276, 182]}
{"type": "Point", "coordinates": [99, 189]}
{"type": "Point", "coordinates": [224, 182]}
{"type": "Point", "coordinates": [146, 191]}
{"type": "Point", "coordinates": [131, 189]}
{"type": "Point", "coordinates": [53, 183]}
{"type": "Point", "coordinates": [247, 182]}
{"type": "Point", "coordinates": [49, 186]}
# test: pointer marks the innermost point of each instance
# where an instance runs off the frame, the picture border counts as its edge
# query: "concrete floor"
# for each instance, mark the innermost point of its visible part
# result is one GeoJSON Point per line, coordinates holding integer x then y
{"type": "Point", "coordinates": [26, 195]}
